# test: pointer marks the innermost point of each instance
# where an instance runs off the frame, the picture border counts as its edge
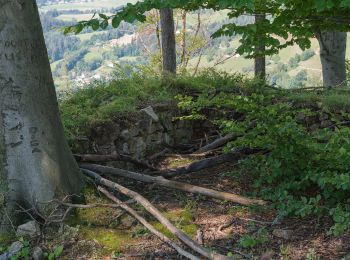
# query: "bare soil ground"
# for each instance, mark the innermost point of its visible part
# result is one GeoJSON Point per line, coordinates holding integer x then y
{"type": "Point", "coordinates": [249, 234]}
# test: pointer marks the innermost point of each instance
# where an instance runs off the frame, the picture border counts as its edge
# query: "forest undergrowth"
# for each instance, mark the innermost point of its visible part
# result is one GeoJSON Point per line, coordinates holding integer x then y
{"type": "Point", "coordinates": [294, 153]}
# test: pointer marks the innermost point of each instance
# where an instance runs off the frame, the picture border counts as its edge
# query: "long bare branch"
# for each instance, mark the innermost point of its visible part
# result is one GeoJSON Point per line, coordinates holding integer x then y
{"type": "Point", "coordinates": [144, 222]}
{"type": "Point", "coordinates": [156, 213]}
{"type": "Point", "coordinates": [160, 181]}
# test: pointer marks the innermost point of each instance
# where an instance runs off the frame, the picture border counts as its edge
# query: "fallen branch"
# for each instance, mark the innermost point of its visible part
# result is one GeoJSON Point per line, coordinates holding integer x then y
{"type": "Point", "coordinates": [215, 144]}
{"type": "Point", "coordinates": [144, 222]}
{"type": "Point", "coordinates": [161, 181]}
{"type": "Point", "coordinates": [157, 155]}
{"type": "Point", "coordinates": [181, 147]}
{"type": "Point", "coordinates": [156, 213]}
{"type": "Point", "coordinates": [209, 162]}
{"type": "Point", "coordinates": [95, 158]}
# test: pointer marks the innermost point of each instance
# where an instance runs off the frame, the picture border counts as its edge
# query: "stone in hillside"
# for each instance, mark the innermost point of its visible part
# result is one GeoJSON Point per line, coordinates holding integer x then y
{"type": "Point", "coordinates": [126, 149]}
{"type": "Point", "coordinates": [149, 111]}
{"type": "Point", "coordinates": [282, 233]}
{"type": "Point", "coordinates": [30, 229]}
{"type": "Point", "coordinates": [38, 253]}
{"type": "Point", "coordinates": [14, 249]}
{"type": "Point", "coordinates": [125, 134]}
{"type": "Point", "coordinates": [138, 147]}
{"type": "Point", "coordinates": [155, 128]}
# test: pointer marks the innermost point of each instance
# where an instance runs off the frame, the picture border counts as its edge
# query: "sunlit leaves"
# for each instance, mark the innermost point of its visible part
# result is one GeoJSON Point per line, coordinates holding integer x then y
{"type": "Point", "coordinates": [295, 21]}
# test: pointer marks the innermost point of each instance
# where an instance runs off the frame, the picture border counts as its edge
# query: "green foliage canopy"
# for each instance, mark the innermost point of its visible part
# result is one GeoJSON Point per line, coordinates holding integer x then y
{"type": "Point", "coordinates": [288, 22]}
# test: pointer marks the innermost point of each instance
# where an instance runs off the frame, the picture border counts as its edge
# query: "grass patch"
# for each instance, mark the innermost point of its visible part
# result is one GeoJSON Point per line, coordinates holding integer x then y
{"type": "Point", "coordinates": [180, 162]}
{"type": "Point", "coordinates": [112, 240]}
{"type": "Point", "coordinates": [336, 101]}
{"type": "Point", "coordinates": [182, 218]}
{"type": "Point", "coordinates": [94, 216]}
{"type": "Point", "coordinates": [127, 93]}
{"type": "Point", "coordinates": [6, 239]}
{"type": "Point", "coordinates": [97, 224]}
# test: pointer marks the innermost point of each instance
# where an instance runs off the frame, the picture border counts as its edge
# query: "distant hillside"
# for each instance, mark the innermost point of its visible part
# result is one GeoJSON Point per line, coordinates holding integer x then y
{"type": "Point", "coordinates": [78, 60]}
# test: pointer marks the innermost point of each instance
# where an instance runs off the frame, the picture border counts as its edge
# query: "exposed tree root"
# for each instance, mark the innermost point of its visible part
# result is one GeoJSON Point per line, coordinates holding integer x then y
{"type": "Point", "coordinates": [95, 158]}
{"type": "Point", "coordinates": [173, 184]}
{"type": "Point", "coordinates": [156, 213]}
{"type": "Point", "coordinates": [144, 222]}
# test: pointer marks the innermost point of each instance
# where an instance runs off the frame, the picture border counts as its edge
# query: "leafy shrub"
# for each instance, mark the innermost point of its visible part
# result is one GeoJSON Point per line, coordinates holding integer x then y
{"type": "Point", "coordinates": [129, 91]}
{"type": "Point", "coordinates": [304, 171]}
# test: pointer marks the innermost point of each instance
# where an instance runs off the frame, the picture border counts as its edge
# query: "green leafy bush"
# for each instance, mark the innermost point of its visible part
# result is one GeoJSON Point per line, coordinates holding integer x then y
{"type": "Point", "coordinates": [305, 169]}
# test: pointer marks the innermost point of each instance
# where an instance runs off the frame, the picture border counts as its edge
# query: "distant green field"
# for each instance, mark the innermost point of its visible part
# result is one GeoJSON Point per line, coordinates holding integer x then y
{"type": "Point", "coordinates": [87, 36]}
{"type": "Point", "coordinates": [54, 64]}
{"type": "Point", "coordinates": [97, 4]}
{"type": "Point", "coordinates": [77, 17]}
{"type": "Point", "coordinates": [94, 53]}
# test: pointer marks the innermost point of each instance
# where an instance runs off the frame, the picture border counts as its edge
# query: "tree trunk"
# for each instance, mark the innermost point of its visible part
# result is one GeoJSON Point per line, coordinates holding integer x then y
{"type": "Point", "coordinates": [168, 40]}
{"type": "Point", "coordinates": [332, 53]}
{"type": "Point", "coordinates": [37, 164]}
{"type": "Point", "coordinates": [183, 40]}
{"type": "Point", "coordinates": [260, 60]}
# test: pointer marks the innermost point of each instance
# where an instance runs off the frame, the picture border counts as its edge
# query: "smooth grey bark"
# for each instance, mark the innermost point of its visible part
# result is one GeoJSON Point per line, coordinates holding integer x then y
{"type": "Point", "coordinates": [36, 162]}
{"type": "Point", "coordinates": [260, 60]}
{"type": "Point", "coordinates": [168, 40]}
{"type": "Point", "coordinates": [332, 53]}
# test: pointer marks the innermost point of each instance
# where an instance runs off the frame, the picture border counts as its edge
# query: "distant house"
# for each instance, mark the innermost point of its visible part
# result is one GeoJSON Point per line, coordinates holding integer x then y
{"type": "Point", "coordinates": [124, 40]}
{"type": "Point", "coordinates": [110, 64]}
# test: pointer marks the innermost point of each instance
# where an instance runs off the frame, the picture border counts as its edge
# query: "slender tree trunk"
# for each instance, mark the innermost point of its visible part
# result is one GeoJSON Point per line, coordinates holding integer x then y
{"type": "Point", "coordinates": [168, 40]}
{"type": "Point", "coordinates": [260, 60]}
{"type": "Point", "coordinates": [332, 53]}
{"type": "Point", "coordinates": [37, 164]}
{"type": "Point", "coordinates": [183, 42]}
{"type": "Point", "coordinates": [158, 33]}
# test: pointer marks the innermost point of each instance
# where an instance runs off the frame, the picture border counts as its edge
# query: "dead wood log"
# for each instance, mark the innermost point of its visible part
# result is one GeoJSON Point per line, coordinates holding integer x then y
{"type": "Point", "coordinates": [96, 158]}
{"type": "Point", "coordinates": [161, 181]}
{"type": "Point", "coordinates": [156, 213]}
{"type": "Point", "coordinates": [157, 155]}
{"type": "Point", "coordinates": [144, 222]}
{"type": "Point", "coordinates": [215, 144]}
{"type": "Point", "coordinates": [202, 164]}
{"type": "Point", "coordinates": [210, 162]}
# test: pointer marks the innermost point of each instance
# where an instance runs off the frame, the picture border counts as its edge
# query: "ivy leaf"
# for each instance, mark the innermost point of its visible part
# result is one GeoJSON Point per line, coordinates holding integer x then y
{"type": "Point", "coordinates": [95, 24]}
{"type": "Point", "coordinates": [116, 21]}
{"type": "Point", "coordinates": [104, 24]}
{"type": "Point", "coordinates": [103, 16]}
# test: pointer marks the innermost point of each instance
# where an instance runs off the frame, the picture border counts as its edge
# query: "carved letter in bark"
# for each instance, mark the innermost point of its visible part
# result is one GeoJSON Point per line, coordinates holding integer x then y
{"type": "Point", "coordinates": [37, 164]}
